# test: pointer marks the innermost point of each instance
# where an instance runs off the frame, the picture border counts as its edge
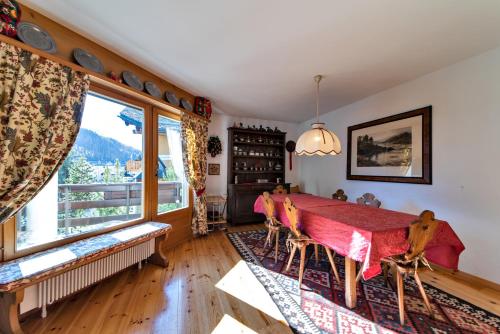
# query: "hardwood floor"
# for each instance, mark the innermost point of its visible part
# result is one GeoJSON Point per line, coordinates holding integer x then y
{"type": "Point", "coordinates": [207, 288]}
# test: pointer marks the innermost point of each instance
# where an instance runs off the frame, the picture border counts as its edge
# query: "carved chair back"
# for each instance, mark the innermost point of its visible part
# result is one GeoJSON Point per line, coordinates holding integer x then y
{"type": "Point", "coordinates": [421, 232]}
{"type": "Point", "coordinates": [340, 195]}
{"type": "Point", "coordinates": [293, 217]}
{"type": "Point", "coordinates": [279, 190]}
{"type": "Point", "coordinates": [369, 199]}
{"type": "Point", "coordinates": [269, 207]}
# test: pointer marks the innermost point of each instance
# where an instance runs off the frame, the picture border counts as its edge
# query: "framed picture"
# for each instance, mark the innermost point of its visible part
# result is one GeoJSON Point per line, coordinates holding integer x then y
{"type": "Point", "coordinates": [397, 148]}
{"type": "Point", "coordinates": [213, 169]}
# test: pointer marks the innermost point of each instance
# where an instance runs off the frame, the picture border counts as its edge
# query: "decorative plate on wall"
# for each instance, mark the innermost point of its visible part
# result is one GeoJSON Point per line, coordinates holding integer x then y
{"type": "Point", "coordinates": [132, 80]}
{"type": "Point", "coordinates": [152, 89]}
{"type": "Point", "coordinates": [36, 37]}
{"type": "Point", "coordinates": [172, 98]}
{"type": "Point", "coordinates": [88, 60]}
{"type": "Point", "coordinates": [186, 105]}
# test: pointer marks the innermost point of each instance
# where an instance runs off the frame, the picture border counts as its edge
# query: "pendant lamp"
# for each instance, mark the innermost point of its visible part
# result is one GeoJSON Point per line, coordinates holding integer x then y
{"type": "Point", "coordinates": [319, 140]}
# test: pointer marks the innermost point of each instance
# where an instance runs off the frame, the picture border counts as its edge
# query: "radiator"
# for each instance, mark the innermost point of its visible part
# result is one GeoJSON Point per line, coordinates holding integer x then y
{"type": "Point", "coordinates": [60, 286]}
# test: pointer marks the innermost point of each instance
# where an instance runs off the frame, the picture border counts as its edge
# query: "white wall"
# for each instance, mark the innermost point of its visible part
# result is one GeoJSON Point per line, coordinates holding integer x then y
{"type": "Point", "coordinates": [466, 155]}
{"type": "Point", "coordinates": [217, 184]}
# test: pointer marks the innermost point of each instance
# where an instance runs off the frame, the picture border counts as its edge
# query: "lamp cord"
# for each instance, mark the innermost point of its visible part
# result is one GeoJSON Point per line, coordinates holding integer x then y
{"type": "Point", "coordinates": [317, 79]}
{"type": "Point", "coordinates": [317, 102]}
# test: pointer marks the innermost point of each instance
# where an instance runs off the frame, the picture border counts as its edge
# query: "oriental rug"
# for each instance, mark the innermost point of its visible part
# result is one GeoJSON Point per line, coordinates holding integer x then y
{"type": "Point", "coordinates": [319, 307]}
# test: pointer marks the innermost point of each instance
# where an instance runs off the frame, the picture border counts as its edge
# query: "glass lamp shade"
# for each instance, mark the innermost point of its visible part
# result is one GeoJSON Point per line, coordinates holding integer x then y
{"type": "Point", "coordinates": [318, 141]}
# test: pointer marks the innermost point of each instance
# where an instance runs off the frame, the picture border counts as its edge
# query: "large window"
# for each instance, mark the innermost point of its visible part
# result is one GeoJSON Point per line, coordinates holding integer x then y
{"type": "Point", "coordinates": [99, 185]}
{"type": "Point", "coordinates": [172, 185]}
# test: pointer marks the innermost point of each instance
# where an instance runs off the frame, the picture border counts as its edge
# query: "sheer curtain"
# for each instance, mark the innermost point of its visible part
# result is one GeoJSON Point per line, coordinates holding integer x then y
{"type": "Point", "coordinates": [175, 149]}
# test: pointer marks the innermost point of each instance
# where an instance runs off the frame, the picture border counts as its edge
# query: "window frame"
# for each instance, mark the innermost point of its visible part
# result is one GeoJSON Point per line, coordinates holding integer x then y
{"type": "Point", "coordinates": [155, 215]}
{"type": "Point", "coordinates": [151, 110]}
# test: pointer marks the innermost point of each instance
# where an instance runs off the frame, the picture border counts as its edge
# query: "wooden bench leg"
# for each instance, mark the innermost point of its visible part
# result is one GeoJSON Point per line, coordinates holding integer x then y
{"type": "Point", "coordinates": [9, 312]}
{"type": "Point", "coordinates": [159, 257]}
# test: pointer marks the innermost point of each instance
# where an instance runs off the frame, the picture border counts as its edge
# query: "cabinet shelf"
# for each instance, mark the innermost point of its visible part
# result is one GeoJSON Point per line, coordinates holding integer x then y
{"type": "Point", "coordinates": [258, 171]}
{"type": "Point", "coordinates": [257, 132]}
{"type": "Point", "coordinates": [256, 157]}
{"type": "Point", "coordinates": [256, 144]}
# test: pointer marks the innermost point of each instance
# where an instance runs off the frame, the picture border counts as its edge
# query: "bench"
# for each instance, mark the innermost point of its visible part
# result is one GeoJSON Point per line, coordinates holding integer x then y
{"type": "Point", "coordinates": [18, 274]}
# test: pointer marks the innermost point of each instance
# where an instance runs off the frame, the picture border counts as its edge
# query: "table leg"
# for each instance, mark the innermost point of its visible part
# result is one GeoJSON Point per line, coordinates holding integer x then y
{"type": "Point", "coordinates": [350, 282]}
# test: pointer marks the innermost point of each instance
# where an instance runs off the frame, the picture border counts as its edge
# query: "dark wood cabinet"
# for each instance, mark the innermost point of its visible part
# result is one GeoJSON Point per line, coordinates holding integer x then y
{"type": "Point", "coordinates": [256, 163]}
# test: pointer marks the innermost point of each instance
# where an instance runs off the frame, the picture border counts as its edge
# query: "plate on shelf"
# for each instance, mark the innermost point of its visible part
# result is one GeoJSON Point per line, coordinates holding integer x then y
{"type": "Point", "coordinates": [132, 80]}
{"type": "Point", "coordinates": [152, 89]}
{"type": "Point", "coordinates": [172, 98]}
{"type": "Point", "coordinates": [36, 37]}
{"type": "Point", "coordinates": [186, 105]}
{"type": "Point", "coordinates": [88, 60]}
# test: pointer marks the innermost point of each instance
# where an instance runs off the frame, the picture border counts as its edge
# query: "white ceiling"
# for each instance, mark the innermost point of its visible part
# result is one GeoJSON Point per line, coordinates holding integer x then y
{"type": "Point", "coordinates": [257, 58]}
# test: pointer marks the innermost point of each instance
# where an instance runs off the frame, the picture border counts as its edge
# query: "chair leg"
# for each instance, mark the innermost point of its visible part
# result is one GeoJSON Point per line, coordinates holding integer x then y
{"type": "Point", "coordinates": [302, 263]}
{"type": "Point", "coordinates": [385, 269]}
{"type": "Point", "coordinates": [401, 305]}
{"type": "Point", "coordinates": [360, 273]}
{"type": "Point", "coordinates": [316, 253]}
{"type": "Point", "coordinates": [424, 295]}
{"type": "Point", "coordinates": [332, 263]}
{"type": "Point", "coordinates": [292, 254]}
{"type": "Point", "coordinates": [268, 237]}
{"type": "Point", "coordinates": [277, 246]}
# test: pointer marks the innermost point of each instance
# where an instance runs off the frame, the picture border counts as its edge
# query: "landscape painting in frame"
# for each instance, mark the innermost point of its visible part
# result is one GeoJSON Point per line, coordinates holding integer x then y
{"type": "Point", "coordinates": [392, 149]}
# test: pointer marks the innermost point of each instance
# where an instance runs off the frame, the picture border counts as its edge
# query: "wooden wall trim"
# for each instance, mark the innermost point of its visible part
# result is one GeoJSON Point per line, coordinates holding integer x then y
{"type": "Point", "coordinates": [466, 277]}
{"type": "Point", "coordinates": [67, 40]}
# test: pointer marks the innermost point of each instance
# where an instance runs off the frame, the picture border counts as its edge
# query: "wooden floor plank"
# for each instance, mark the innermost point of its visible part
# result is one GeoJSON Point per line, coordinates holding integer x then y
{"type": "Point", "coordinates": [206, 287]}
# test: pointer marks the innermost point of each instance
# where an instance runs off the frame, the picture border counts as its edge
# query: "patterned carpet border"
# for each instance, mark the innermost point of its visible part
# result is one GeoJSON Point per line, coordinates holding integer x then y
{"type": "Point", "coordinates": [305, 311]}
{"type": "Point", "coordinates": [296, 318]}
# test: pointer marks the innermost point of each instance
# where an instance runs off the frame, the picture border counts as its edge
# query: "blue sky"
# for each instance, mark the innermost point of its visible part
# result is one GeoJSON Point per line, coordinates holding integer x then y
{"type": "Point", "coordinates": [101, 116]}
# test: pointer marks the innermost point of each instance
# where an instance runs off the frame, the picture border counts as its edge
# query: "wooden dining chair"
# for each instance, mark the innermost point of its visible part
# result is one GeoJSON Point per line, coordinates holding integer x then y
{"type": "Point", "coordinates": [421, 232]}
{"type": "Point", "coordinates": [339, 195]}
{"type": "Point", "coordinates": [273, 225]}
{"type": "Point", "coordinates": [280, 190]}
{"type": "Point", "coordinates": [300, 241]}
{"type": "Point", "coordinates": [369, 199]}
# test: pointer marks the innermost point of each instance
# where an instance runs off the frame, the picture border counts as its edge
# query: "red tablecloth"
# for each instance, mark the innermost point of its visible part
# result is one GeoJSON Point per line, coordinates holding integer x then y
{"type": "Point", "coordinates": [363, 233]}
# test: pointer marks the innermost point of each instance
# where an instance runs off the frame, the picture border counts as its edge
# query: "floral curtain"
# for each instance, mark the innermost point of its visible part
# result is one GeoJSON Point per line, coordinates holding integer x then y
{"type": "Point", "coordinates": [194, 145]}
{"type": "Point", "coordinates": [41, 105]}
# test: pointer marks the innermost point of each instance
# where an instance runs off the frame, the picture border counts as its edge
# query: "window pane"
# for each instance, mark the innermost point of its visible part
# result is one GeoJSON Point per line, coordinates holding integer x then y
{"type": "Point", "coordinates": [172, 186]}
{"type": "Point", "coordinates": [98, 185]}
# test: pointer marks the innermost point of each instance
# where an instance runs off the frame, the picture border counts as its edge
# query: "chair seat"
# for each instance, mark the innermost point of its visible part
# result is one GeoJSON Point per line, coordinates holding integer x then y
{"type": "Point", "coordinates": [302, 240]}
{"type": "Point", "coordinates": [273, 226]}
{"type": "Point", "coordinates": [407, 265]}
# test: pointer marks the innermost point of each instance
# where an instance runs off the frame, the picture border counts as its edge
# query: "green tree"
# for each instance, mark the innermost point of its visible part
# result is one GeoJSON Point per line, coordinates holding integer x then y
{"type": "Point", "coordinates": [117, 177]}
{"type": "Point", "coordinates": [80, 171]}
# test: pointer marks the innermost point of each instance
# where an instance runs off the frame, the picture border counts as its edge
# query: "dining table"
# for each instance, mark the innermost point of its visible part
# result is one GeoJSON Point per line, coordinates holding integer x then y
{"type": "Point", "coordinates": [363, 234]}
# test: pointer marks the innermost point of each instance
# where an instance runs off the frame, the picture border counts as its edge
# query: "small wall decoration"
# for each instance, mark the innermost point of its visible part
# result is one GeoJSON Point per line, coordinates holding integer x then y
{"type": "Point", "coordinates": [213, 169]}
{"type": "Point", "coordinates": [214, 146]}
{"type": "Point", "coordinates": [392, 149]}
{"type": "Point", "coordinates": [203, 107]}
{"type": "Point", "coordinates": [10, 15]}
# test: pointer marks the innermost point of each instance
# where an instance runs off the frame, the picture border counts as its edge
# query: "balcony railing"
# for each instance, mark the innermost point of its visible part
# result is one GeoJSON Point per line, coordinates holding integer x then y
{"type": "Point", "coordinates": [114, 195]}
